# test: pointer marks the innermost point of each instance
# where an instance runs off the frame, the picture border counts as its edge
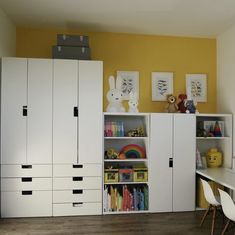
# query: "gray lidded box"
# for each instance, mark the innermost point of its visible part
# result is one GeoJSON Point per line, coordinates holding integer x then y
{"type": "Point", "coordinates": [72, 40]}
{"type": "Point", "coordinates": [65, 52]}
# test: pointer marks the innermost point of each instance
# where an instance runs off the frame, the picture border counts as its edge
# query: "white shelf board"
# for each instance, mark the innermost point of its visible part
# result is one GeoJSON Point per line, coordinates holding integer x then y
{"type": "Point", "coordinates": [126, 114]}
{"type": "Point", "coordinates": [124, 212]}
{"type": "Point", "coordinates": [213, 138]}
{"type": "Point", "coordinates": [121, 183]}
{"type": "Point", "coordinates": [126, 160]}
{"type": "Point", "coordinates": [125, 138]}
{"type": "Point", "coordinates": [214, 115]}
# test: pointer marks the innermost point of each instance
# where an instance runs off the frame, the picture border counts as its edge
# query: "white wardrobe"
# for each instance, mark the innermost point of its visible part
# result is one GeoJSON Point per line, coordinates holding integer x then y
{"type": "Point", "coordinates": [172, 162]}
{"type": "Point", "coordinates": [51, 137]}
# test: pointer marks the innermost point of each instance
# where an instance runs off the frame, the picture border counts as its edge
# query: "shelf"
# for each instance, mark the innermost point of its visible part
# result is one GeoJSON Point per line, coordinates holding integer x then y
{"type": "Point", "coordinates": [126, 160]}
{"type": "Point", "coordinates": [212, 138]}
{"type": "Point", "coordinates": [126, 114]}
{"type": "Point", "coordinates": [125, 183]}
{"type": "Point", "coordinates": [124, 212]}
{"type": "Point", "coordinates": [125, 138]}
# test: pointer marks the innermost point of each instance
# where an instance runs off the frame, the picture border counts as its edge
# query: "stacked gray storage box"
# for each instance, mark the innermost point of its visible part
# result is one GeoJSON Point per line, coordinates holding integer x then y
{"type": "Point", "coordinates": [71, 47]}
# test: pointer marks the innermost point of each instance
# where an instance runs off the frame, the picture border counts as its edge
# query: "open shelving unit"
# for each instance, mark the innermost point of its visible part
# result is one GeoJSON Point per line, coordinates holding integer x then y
{"type": "Point", "coordinates": [126, 188]}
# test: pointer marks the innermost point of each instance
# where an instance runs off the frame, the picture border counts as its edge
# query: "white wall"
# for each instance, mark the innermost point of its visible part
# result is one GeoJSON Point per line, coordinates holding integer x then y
{"type": "Point", "coordinates": [7, 36]}
{"type": "Point", "coordinates": [226, 74]}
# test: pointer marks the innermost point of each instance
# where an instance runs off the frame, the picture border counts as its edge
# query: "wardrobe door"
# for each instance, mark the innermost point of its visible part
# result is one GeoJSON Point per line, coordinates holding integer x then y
{"type": "Point", "coordinates": [184, 162]}
{"type": "Point", "coordinates": [90, 106]}
{"type": "Point", "coordinates": [39, 129]}
{"type": "Point", "coordinates": [65, 86]}
{"type": "Point", "coordinates": [160, 168]}
{"type": "Point", "coordinates": [13, 100]}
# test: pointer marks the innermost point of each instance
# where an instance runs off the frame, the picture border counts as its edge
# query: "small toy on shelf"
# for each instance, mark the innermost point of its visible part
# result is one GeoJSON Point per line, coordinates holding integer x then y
{"type": "Point", "coordinates": [133, 103]}
{"type": "Point", "coordinates": [214, 158]}
{"type": "Point", "coordinates": [191, 106]}
{"type": "Point", "coordinates": [181, 106]}
{"type": "Point", "coordinates": [171, 106]}
{"type": "Point", "coordinates": [111, 154]}
{"type": "Point", "coordinates": [133, 151]}
{"type": "Point", "coordinates": [201, 131]}
{"type": "Point", "coordinates": [137, 132]}
{"type": "Point", "coordinates": [115, 96]}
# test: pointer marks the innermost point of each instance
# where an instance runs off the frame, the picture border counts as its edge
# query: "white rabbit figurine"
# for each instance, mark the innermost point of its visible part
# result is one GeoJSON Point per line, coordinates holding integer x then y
{"type": "Point", "coordinates": [133, 103]}
{"type": "Point", "coordinates": [115, 96]}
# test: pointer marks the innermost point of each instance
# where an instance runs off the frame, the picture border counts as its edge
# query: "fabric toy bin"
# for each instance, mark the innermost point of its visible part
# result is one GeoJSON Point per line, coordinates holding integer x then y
{"type": "Point", "coordinates": [126, 175]}
{"type": "Point", "coordinates": [111, 175]}
{"type": "Point", "coordinates": [140, 174]}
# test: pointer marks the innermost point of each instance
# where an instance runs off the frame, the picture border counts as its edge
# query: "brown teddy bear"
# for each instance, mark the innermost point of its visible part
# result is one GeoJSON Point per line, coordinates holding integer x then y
{"type": "Point", "coordinates": [171, 106]}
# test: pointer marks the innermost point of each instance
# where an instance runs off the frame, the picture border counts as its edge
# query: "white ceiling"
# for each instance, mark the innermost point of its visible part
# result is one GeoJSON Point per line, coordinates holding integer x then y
{"type": "Point", "coordinates": [197, 18]}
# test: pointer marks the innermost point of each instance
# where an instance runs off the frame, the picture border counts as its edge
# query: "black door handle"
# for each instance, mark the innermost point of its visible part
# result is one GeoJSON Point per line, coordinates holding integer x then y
{"type": "Point", "coordinates": [25, 110]}
{"type": "Point", "coordinates": [75, 111]}
{"type": "Point", "coordinates": [171, 162]}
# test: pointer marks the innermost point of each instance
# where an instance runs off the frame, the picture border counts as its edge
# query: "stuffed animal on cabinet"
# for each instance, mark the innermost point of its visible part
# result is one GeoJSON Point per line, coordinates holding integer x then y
{"type": "Point", "coordinates": [133, 103]}
{"type": "Point", "coordinates": [181, 104]}
{"type": "Point", "coordinates": [171, 106]}
{"type": "Point", "coordinates": [115, 96]}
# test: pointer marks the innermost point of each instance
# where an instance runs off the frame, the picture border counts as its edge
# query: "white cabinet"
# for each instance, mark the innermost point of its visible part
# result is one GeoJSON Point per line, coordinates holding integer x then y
{"type": "Point", "coordinates": [77, 137]}
{"type": "Point", "coordinates": [172, 162]}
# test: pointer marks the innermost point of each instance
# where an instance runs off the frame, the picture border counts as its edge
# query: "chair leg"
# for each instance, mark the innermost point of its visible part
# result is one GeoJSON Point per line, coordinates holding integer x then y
{"type": "Point", "coordinates": [225, 227]}
{"type": "Point", "coordinates": [213, 220]}
{"type": "Point", "coordinates": [205, 214]}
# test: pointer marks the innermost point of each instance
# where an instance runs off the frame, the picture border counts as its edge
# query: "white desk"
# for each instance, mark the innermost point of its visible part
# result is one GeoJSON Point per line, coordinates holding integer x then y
{"type": "Point", "coordinates": [223, 176]}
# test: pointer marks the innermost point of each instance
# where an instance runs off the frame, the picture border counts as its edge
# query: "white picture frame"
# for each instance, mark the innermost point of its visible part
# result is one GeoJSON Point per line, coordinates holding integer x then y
{"type": "Point", "coordinates": [162, 85]}
{"type": "Point", "coordinates": [129, 83]}
{"type": "Point", "coordinates": [196, 87]}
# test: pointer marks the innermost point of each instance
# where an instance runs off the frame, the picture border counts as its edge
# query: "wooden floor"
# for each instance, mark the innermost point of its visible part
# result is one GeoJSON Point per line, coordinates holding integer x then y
{"type": "Point", "coordinates": [132, 224]}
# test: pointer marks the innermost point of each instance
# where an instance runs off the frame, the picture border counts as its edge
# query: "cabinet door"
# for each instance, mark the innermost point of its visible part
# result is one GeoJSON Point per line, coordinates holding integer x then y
{"type": "Point", "coordinates": [39, 129]}
{"type": "Point", "coordinates": [65, 86]}
{"type": "Point", "coordinates": [184, 162]}
{"type": "Point", "coordinates": [13, 123]}
{"type": "Point", "coordinates": [90, 119]}
{"type": "Point", "coordinates": [160, 174]}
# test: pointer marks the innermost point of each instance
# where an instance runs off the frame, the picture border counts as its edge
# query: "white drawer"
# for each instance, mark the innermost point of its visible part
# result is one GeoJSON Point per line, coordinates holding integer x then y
{"type": "Point", "coordinates": [26, 170]}
{"type": "Point", "coordinates": [77, 196]}
{"type": "Point", "coordinates": [77, 170]}
{"type": "Point", "coordinates": [26, 183]}
{"type": "Point", "coordinates": [14, 204]}
{"type": "Point", "coordinates": [65, 209]}
{"type": "Point", "coordinates": [69, 183]}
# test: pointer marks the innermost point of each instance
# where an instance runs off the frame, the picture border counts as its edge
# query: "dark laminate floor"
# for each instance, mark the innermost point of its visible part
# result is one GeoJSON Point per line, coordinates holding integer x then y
{"type": "Point", "coordinates": [132, 224]}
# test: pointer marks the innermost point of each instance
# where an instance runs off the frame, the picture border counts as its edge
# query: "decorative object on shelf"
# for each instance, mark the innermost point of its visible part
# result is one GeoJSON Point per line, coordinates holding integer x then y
{"type": "Point", "coordinates": [214, 158]}
{"type": "Point", "coordinates": [162, 85]}
{"type": "Point", "coordinates": [191, 106]}
{"type": "Point", "coordinates": [133, 151]}
{"type": "Point", "coordinates": [129, 82]}
{"type": "Point", "coordinates": [111, 154]}
{"type": "Point", "coordinates": [114, 129]}
{"type": "Point", "coordinates": [115, 96]}
{"type": "Point", "coordinates": [140, 174]}
{"type": "Point", "coordinates": [198, 160]}
{"type": "Point", "coordinates": [171, 104]}
{"type": "Point", "coordinates": [126, 175]}
{"type": "Point", "coordinates": [217, 130]}
{"type": "Point", "coordinates": [133, 103]}
{"type": "Point", "coordinates": [181, 103]}
{"type": "Point", "coordinates": [196, 85]}
{"type": "Point", "coordinates": [201, 131]}
{"type": "Point", "coordinates": [214, 128]}
{"type": "Point", "coordinates": [137, 132]}
{"type": "Point", "coordinates": [111, 175]}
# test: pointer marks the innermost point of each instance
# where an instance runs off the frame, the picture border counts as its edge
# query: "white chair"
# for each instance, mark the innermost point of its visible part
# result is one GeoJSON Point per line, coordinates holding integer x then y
{"type": "Point", "coordinates": [214, 203]}
{"type": "Point", "coordinates": [228, 208]}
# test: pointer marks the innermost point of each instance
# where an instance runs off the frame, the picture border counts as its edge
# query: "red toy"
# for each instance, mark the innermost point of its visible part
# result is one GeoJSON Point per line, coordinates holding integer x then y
{"type": "Point", "coordinates": [181, 104]}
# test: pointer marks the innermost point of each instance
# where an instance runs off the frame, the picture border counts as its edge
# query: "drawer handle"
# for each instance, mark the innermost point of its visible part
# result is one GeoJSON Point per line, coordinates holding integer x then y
{"type": "Point", "coordinates": [77, 178]}
{"type": "Point", "coordinates": [26, 166]}
{"type": "Point", "coordinates": [75, 111]}
{"type": "Point", "coordinates": [78, 191]}
{"type": "Point", "coordinates": [77, 204]}
{"type": "Point", "coordinates": [77, 166]}
{"type": "Point", "coordinates": [26, 179]}
{"type": "Point", "coordinates": [27, 192]}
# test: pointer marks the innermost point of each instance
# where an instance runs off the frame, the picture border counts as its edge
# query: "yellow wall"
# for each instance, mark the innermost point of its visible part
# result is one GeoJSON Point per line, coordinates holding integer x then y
{"type": "Point", "coordinates": [143, 53]}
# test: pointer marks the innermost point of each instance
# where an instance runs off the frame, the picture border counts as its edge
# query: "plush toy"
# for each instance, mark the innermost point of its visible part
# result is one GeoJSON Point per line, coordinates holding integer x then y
{"type": "Point", "coordinates": [181, 106]}
{"type": "Point", "coordinates": [191, 106]}
{"type": "Point", "coordinates": [115, 96]}
{"type": "Point", "coordinates": [171, 106]}
{"type": "Point", "coordinates": [133, 103]}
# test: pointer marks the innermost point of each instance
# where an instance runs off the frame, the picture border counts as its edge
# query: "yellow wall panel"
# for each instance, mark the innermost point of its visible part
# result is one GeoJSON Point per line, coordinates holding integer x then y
{"type": "Point", "coordinates": [143, 53]}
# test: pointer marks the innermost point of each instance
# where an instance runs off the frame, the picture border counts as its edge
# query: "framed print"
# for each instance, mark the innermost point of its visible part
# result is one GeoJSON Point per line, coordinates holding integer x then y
{"type": "Point", "coordinates": [196, 87]}
{"type": "Point", "coordinates": [162, 85]}
{"type": "Point", "coordinates": [129, 83]}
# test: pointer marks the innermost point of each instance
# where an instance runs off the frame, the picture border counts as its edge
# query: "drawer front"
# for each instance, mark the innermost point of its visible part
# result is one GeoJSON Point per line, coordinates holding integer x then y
{"type": "Point", "coordinates": [26, 170]}
{"type": "Point", "coordinates": [77, 170]}
{"type": "Point", "coordinates": [26, 183]}
{"type": "Point", "coordinates": [77, 196]}
{"type": "Point", "coordinates": [70, 183]}
{"type": "Point", "coordinates": [14, 204]}
{"type": "Point", "coordinates": [66, 209]}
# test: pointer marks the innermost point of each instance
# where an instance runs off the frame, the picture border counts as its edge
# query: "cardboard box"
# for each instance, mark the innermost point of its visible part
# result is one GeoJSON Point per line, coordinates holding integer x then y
{"type": "Point", "coordinates": [77, 53]}
{"type": "Point", "coordinates": [72, 40]}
